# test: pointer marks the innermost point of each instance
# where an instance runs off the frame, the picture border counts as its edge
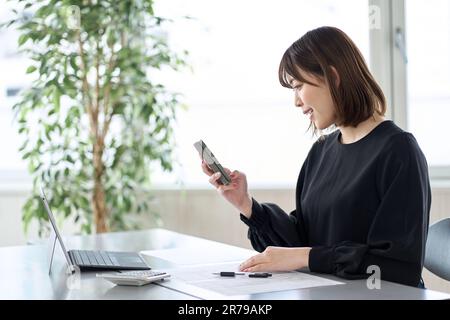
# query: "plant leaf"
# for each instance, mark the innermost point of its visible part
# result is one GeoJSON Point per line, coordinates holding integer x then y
{"type": "Point", "coordinates": [31, 69]}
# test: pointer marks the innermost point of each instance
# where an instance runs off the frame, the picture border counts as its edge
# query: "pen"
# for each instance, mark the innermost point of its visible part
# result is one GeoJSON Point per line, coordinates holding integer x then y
{"type": "Point", "coordinates": [229, 273]}
{"type": "Point", "coordinates": [251, 275]}
{"type": "Point", "coordinates": [260, 275]}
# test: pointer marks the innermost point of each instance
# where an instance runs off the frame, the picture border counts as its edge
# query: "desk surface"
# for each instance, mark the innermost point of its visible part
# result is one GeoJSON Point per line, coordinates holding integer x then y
{"type": "Point", "coordinates": [24, 274]}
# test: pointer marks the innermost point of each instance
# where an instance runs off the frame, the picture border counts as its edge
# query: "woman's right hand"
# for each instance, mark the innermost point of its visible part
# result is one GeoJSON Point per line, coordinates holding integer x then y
{"type": "Point", "coordinates": [235, 192]}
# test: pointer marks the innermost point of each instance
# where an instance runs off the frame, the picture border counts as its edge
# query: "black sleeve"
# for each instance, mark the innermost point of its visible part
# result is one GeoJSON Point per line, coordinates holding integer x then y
{"type": "Point", "coordinates": [269, 225]}
{"type": "Point", "coordinates": [397, 236]}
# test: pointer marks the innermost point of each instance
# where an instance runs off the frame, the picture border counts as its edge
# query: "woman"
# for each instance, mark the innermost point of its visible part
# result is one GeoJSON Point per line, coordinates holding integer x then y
{"type": "Point", "coordinates": [363, 195]}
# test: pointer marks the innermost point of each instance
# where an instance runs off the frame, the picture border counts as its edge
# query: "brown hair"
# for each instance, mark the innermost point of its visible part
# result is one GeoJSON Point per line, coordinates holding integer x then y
{"type": "Point", "coordinates": [358, 95]}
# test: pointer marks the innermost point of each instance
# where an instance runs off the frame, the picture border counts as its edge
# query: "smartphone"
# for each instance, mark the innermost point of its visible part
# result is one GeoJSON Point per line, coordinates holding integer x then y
{"type": "Point", "coordinates": [212, 162]}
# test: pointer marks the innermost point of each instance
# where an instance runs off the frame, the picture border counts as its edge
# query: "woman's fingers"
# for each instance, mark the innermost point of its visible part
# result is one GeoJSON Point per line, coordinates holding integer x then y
{"type": "Point", "coordinates": [214, 179]}
{"type": "Point", "coordinates": [257, 268]}
{"type": "Point", "coordinates": [230, 186]}
{"type": "Point", "coordinates": [237, 175]}
{"type": "Point", "coordinates": [206, 169]}
{"type": "Point", "coordinates": [252, 262]}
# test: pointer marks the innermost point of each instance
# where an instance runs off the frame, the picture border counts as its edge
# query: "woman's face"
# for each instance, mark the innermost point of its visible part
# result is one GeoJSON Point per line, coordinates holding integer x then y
{"type": "Point", "coordinates": [316, 102]}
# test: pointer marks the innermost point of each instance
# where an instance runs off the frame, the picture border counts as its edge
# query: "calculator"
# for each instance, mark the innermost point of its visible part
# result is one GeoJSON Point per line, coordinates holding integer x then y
{"type": "Point", "coordinates": [134, 278]}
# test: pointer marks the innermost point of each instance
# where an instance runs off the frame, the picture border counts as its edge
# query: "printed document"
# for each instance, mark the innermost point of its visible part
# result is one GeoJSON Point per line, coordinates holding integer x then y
{"type": "Point", "coordinates": [202, 276]}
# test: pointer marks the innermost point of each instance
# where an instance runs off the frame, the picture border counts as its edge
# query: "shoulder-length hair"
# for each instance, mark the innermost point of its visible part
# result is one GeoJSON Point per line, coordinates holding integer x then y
{"type": "Point", "coordinates": [358, 96]}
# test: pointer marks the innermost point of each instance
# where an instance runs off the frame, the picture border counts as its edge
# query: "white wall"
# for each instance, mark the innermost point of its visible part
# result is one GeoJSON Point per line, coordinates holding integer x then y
{"type": "Point", "coordinates": [11, 231]}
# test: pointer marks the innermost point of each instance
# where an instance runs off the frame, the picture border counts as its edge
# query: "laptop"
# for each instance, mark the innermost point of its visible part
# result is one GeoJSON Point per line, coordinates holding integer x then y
{"type": "Point", "coordinates": [92, 260]}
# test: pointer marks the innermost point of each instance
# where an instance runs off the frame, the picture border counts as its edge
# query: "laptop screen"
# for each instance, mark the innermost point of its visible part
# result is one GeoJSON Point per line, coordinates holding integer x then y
{"type": "Point", "coordinates": [55, 232]}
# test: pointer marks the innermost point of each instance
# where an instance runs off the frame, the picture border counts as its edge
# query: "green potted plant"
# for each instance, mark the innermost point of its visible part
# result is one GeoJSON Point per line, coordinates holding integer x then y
{"type": "Point", "coordinates": [93, 120]}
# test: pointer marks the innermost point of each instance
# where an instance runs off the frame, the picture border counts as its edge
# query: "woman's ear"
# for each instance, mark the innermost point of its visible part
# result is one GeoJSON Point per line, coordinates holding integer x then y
{"type": "Point", "coordinates": [336, 76]}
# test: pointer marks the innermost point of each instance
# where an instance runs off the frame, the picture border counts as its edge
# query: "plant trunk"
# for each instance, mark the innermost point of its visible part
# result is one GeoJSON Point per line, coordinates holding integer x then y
{"type": "Point", "coordinates": [98, 195]}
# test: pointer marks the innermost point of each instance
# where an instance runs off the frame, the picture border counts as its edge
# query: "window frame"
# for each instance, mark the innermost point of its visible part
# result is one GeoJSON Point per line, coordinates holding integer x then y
{"type": "Point", "coordinates": [390, 68]}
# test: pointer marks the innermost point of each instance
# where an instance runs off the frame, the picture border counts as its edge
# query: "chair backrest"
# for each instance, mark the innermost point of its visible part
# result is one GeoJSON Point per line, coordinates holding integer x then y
{"type": "Point", "coordinates": [437, 255]}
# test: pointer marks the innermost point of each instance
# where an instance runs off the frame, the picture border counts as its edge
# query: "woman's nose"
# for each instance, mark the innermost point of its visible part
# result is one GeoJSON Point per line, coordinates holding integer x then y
{"type": "Point", "coordinates": [298, 101]}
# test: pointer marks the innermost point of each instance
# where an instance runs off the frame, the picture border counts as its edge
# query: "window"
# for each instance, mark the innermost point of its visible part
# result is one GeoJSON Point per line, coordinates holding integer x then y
{"type": "Point", "coordinates": [411, 62]}
{"type": "Point", "coordinates": [428, 78]}
{"type": "Point", "coordinates": [12, 79]}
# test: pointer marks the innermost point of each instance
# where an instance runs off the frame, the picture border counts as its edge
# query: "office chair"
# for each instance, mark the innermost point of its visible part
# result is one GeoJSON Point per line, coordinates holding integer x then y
{"type": "Point", "coordinates": [437, 255]}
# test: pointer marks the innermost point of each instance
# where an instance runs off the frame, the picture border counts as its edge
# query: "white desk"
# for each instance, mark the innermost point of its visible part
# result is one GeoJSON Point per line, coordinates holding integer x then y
{"type": "Point", "coordinates": [24, 274]}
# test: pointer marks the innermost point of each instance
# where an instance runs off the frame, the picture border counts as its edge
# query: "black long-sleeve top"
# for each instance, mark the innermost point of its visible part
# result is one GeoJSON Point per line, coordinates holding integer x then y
{"type": "Point", "coordinates": [359, 204]}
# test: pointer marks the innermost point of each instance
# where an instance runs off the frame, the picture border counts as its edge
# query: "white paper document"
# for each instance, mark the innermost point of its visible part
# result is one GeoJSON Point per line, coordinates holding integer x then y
{"type": "Point", "coordinates": [202, 276]}
{"type": "Point", "coordinates": [201, 255]}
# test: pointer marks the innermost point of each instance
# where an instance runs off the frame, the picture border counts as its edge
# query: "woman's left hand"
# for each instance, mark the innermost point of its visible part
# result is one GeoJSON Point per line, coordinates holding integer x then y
{"type": "Point", "coordinates": [277, 259]}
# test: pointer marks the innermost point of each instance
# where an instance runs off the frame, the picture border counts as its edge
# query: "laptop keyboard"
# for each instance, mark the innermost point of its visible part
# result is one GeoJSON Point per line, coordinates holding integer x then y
{"type": "Point", "coordinates": [93, 258]}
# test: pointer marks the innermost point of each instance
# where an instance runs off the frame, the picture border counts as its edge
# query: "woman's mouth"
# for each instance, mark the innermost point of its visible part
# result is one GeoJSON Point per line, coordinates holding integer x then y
{"type": "Point", "coordinates": [308, 113]}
